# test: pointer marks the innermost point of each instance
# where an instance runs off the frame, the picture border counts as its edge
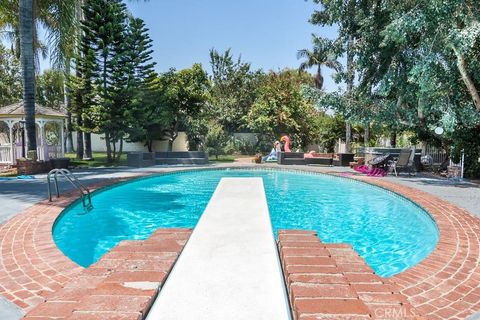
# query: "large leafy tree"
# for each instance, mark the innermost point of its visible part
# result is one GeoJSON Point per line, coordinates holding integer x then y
{"type": "Point", "coordinates": [330, 129]}
{"type": "Point", "coordinates": [10, 77]}
{"type": "Point", "coordinates": [50, 89]}
{"type": "Point", "coordinates": [417, 67]}
{"type": "Point", "coordinates": [281, 108]}
{"type": "Point", "coordinates": [344, 14]}
{"type": "Point", "coordinates": [184, 97]}
{"type": "Point", "coordinates": [233, 89]}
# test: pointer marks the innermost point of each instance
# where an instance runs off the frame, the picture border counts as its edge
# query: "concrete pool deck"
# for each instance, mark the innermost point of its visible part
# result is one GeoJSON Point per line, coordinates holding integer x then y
{"type": "Point", "coordinates": [17, 195]}
{"type": "Point", "coordinates": [229, 268]}
{"type": "Point", "coordinates": [444, 286]}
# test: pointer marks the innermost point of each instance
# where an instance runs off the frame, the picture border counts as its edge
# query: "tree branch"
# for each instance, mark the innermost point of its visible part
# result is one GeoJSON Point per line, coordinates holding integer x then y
{"type": "Point", "coordinates": [462, 67]}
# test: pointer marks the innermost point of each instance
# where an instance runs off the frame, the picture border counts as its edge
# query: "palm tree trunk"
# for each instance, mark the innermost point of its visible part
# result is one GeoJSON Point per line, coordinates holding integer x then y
{"type": "Point", "coordinates": [28, 70]}
{"type": "Point", "coordinates": [67, 101]}
{"type": "Point", "coordinates": [88, 146]}
{"type": "Point", "coordinates": [366, 136]}
{"type": "Point", "coordinates": [79, 138]}
{"type": "Point", "coordinates": [393, 139]}
{"type": "Point", "coordinates": [350, 78]}
{"type": "Point", "coordinates": [319, 78]}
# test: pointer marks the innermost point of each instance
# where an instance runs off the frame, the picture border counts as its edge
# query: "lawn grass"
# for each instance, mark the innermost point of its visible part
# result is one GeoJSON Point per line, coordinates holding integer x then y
{"type": "Point", "coordinates": [99, 160]}
{"type": "Point", "coordinates": [222, 158]}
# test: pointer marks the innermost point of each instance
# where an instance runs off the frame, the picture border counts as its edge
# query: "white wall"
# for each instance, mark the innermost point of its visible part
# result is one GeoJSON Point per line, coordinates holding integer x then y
{"type": "Point", "coordinates": [98, 144]}
{"type": "Point", "coordinates": [251, 137]}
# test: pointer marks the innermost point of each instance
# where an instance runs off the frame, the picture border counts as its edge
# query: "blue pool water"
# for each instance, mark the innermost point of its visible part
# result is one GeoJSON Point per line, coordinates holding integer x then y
{"type": "Point", "coordinates": [390, 232]}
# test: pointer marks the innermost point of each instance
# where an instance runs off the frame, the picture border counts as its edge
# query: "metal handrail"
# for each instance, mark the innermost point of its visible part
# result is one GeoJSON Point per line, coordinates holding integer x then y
{"type": "Point", "coordinates": [85, 193]}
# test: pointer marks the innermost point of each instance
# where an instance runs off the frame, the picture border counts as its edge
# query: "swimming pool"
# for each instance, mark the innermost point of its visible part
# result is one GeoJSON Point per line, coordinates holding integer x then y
{"type": "Point", "coordinates": [389, 231]}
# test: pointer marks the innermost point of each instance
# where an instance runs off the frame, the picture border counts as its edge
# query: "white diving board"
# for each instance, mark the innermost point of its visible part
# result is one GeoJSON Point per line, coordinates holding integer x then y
{"type": "Point", "coordinates": [229, 268]}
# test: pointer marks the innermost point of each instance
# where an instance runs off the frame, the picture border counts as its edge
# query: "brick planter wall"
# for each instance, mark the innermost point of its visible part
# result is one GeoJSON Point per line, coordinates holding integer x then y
{"type": "Point", "coordinates": [32, 167]}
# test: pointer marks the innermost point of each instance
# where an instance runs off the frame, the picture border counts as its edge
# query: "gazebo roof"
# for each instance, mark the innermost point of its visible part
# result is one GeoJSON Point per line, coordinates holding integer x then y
{"type": "Point", "coordinates": [18, 110]}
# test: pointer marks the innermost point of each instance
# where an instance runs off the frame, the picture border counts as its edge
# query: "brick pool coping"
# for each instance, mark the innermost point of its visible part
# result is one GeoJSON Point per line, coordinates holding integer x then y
{"type": "Point", "coordinates": [332, 281]}
{"type": "Point", "coordinates": [443, 286]}
{"type": "Point", "coordinates": [123, 284]}
{"type": "Point", "coordinates": [31, 265]}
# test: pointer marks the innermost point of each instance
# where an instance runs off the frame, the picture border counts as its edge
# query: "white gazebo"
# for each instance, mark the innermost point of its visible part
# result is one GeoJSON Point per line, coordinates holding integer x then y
{"type": "Point", "coordinates": [13, 140]}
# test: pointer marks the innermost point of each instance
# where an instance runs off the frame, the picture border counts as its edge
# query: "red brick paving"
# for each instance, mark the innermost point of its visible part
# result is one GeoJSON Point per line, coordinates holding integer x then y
{"type": "Point", "coordinates": [443, 286]}
{"type": "Point", "coordinates": [348, 289]}
{"type": "Point", "coordinates": [119, 285]}
{"type": "Point", "coordinates": [31, 265]}
{"type": "Point", "coordinates": [446, 285]}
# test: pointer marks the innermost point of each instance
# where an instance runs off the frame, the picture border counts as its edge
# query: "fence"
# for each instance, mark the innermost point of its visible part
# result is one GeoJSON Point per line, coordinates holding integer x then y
{"type": "Point", "coordinates": [438, 155]}
{"type": "Point", "coordinates": [5, 154]}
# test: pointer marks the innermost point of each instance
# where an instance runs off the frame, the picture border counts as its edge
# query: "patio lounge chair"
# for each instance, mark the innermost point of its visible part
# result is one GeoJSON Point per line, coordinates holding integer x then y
{"type": "Point", "coordinates": [403, 162]}
{"type": "Point", "coordinates": [380, 161]}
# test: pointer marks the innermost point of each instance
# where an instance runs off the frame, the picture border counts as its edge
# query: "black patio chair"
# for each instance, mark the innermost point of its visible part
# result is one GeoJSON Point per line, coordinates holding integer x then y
{"type": "Point", "coordinates": [403, 162]}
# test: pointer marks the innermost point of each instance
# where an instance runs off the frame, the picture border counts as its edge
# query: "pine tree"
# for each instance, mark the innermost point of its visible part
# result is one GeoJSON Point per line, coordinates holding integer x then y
{"type": "Point", "coordinates": [82, 85]}
{"type": "Point", "coordinates": [97, 83]}
{"type": "Point", "coordinates": [115, 84]}
{"type": "Point", "coordinates": [142, 85]}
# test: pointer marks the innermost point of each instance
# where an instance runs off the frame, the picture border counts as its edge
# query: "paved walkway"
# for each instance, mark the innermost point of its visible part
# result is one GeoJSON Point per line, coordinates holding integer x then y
{"type": "Point", "coordinates": [229, 268]}
{"type": "Point", "coordinates": [464, 194]}
{"type": "Point", "coordinates": [9, 311]}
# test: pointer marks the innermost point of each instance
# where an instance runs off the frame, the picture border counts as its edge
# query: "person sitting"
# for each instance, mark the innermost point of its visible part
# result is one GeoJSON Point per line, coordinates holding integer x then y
{"type": "Point", "coordinates": [273, 155]}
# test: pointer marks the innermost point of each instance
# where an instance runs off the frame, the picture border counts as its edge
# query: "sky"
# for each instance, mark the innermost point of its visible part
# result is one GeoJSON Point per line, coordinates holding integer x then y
{"type": "Point", "coordinates": [266, 33]}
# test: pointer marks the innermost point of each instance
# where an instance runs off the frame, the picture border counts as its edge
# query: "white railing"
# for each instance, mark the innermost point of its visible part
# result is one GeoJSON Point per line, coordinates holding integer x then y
{"type": "Point", "coordinates": [47, 152]}
{"type": "Point", "coordinates": [6, 154]}
{"type": "Point", "coordinates": [438, 155]}
{"type": "Point", "coordinates": [54, 151]}
{"type": "Point", "coordinates": [44, 153]}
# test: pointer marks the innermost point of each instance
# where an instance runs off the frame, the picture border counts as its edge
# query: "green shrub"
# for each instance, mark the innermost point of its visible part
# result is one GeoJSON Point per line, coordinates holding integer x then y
{"type": "Point", "coordinates": [245, 146]}
{"type": "Point", "coordinates": [217, 141]}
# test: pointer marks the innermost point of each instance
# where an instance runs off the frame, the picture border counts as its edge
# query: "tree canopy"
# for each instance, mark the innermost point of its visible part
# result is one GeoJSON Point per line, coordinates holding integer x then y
{"type": "Point", "coordinates": [184, 96]}
{"type": "Point", "coordinates": [281, 108]}
{"type": "Point", "coordinates": [10, 77]}
{"type": "Point", "coordinates": [417, 67]}
{"type": "Point", "coordinates": [233, 89]}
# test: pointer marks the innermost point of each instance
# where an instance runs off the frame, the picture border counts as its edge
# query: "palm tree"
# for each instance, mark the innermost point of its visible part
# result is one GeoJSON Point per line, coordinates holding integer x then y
{"type": "Point", "coordinates": [322, 54]}
{"type": "Point", "coordinates": [28, 69]}
{"type": "Point", "coordinates": [58, 17]}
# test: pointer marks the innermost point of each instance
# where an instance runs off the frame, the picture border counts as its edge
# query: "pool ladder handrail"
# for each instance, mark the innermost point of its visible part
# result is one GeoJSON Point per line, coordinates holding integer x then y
{"type": "Point", "coordinates": [85, 193]}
